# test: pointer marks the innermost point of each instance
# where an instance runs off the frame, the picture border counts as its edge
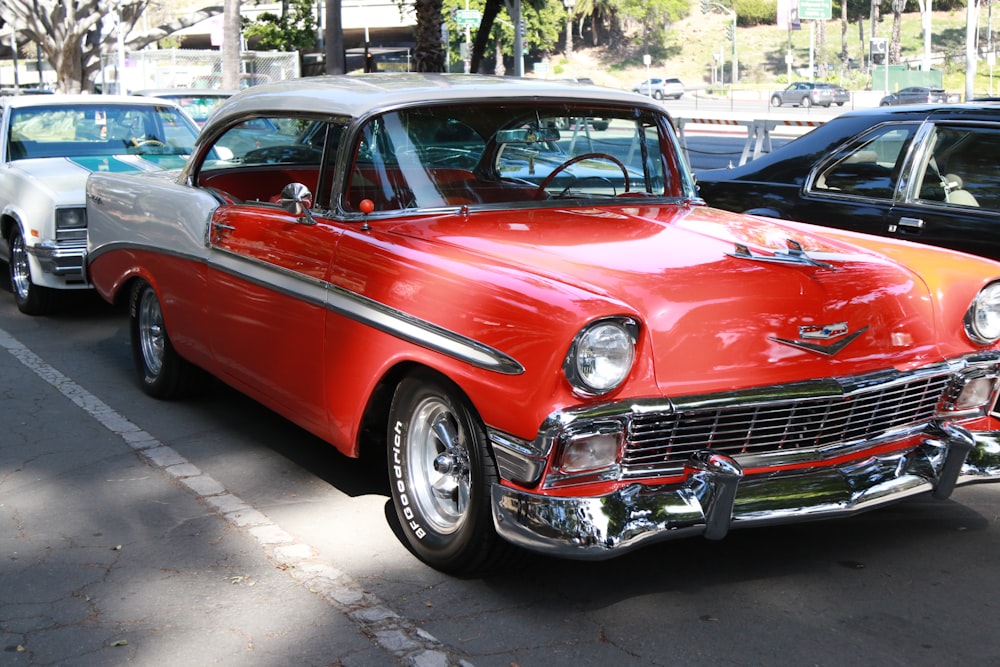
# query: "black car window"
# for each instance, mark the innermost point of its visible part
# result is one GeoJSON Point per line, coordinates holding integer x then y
{"type": "Point", "coordinates": [869, 168]}
{"type": "Point", "coordinates": [962, 167]}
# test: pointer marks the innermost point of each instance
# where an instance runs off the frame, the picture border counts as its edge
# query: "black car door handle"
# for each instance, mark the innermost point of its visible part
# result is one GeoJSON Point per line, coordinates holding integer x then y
{"type": "Point", "coordinates": [909, 223]}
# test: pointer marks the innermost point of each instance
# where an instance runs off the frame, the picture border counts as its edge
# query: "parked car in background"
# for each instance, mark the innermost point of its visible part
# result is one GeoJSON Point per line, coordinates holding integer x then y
{"type": "Point", "coordinates": [920, 173]}
{"type": "Point", "coordinates": [841, 95]}
{"type": "Point", "coordinates": [199, 103]}
{"type": "Point", "coordinates": [660, 88]}
{"type": "Point", "coordinates": [551, 341]}
{"type": "Point", "coordinates": [803, 94]}
{"type": "Point", "coordinates": [48, 146]}
{"type": "Point", "coordinates": [915, 95]}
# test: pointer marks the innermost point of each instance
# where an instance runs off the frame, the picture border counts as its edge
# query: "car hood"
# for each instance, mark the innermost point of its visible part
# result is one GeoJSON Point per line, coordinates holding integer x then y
{"type": "Point", "coordinates": [713, 308]}
{"type": "Point", "coordinates": [69, 174]}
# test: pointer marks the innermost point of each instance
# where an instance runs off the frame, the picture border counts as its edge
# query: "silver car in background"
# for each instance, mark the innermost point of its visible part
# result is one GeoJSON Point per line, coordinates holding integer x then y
{"type": "Point", "coordinates": [49, 145]}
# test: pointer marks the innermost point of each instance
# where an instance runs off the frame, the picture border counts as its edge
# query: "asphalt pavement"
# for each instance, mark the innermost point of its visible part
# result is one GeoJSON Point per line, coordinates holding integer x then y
{"type": "Point", "coordinates": [117, 550]}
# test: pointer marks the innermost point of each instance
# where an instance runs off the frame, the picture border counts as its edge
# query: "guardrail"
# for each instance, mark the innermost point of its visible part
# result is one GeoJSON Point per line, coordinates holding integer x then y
{"type": "Point", "coordinates": [758, 130]}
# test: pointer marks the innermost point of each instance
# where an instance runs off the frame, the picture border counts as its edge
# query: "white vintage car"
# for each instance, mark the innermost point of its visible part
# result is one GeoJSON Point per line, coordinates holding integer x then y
{"type": "Point", "coordinates": [49, 144]}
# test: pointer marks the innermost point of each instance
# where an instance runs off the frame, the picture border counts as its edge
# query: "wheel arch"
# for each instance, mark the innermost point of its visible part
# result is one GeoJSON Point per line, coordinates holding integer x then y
{"type": "Point", "coordinates": [7, 222]}
{"type": "Point", "coordinates": [371, 439]}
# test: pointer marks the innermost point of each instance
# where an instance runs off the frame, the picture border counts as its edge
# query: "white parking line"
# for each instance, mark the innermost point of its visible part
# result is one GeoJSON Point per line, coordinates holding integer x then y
{"type": "Point", "coordinates": [381, 624]}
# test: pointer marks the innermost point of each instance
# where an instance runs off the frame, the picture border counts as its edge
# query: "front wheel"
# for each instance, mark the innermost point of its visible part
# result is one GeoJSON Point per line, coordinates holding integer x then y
{"type": "Point", "coordinates": [31, 299]}
{"type": "Point", "coordinates": [441, 472]}
{"type": "Point", "coordinates": [775, 101]}
{"type": "Point", "coordinates": [162, 372]}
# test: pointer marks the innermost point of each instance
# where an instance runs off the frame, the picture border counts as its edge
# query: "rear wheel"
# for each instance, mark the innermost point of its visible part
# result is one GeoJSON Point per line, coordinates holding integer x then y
{"type": "Point", "coordinates": [162, 372]}
{"type": "Point", "coordinates": [441, 472]}
{"type": "Point", "coordinates": [31, 299]}
{"type": "Point", "coordinates": [806, 102]}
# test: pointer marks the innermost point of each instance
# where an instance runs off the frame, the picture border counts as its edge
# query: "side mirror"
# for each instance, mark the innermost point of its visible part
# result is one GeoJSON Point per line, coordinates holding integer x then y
{"type": "Point", "coordinates": [297, 199]}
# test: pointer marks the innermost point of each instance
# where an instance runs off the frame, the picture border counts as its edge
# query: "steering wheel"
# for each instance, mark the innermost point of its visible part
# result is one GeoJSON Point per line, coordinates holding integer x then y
{"type": "Point", "coordinates": [149, 142]}
{"type": "Point", "coordinates": [583, 156]}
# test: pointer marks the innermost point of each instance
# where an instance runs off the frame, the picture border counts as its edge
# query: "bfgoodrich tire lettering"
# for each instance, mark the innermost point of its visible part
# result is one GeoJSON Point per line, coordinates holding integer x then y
{"type": "Point", "coordinates": [162, 372]}
{"type": "Point", "coordinates": [440, 474]}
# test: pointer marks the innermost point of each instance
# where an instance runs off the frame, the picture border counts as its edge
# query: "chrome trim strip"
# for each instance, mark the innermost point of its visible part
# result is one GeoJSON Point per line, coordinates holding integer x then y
{"type": "Point", "coordinates": [596, 528]}
{"type": "Point", "coordinates": [349, 304]}
{"type": "Point", "coordinates": [419, 332]}
{"type": "Point", "coordinates": [369, 312]}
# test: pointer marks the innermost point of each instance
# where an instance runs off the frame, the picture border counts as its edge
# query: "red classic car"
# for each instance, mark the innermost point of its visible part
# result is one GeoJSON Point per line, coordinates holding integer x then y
{"type": "Point", "coordinates": [554, 343]}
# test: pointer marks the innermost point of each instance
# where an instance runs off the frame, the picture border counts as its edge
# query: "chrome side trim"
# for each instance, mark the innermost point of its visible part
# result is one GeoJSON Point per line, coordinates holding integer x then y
{"type": "Point", "coordinates": [418, 331]}
{"type": "Point", "coordinates": [367, 311]}
{"type": "Point", "coordinates": [349, 304]}
{"type": "Point", "coordinates": [595, 528]}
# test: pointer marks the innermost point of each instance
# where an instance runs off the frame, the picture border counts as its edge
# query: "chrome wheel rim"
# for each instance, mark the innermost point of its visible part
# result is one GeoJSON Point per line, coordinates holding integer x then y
{"type": "Point", "coordinates": [20, 272]}
{"type": "Point", "coordinates": [151, 334]}
{"type": "Point", "coordinates": [438, 466]}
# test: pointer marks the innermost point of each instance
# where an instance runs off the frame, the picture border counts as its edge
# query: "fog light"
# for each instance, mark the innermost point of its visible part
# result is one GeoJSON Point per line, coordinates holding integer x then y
{"type": "Point", "coordinates": [591, 451]}
{"type": "Point", "coordinates": [974, 394]}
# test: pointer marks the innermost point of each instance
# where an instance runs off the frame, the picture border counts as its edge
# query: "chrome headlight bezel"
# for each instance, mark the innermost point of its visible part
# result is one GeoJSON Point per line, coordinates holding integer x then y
{"type": "Point", "coordinates": [982, 319]}
{"type": "Point", "coordinates": [602, 355]}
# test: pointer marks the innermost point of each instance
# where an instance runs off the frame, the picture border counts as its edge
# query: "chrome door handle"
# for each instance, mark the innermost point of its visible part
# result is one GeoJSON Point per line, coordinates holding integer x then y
{"type": "Point", "coordinates": [219, 230]}
{"type": "Point", "coordinates": [915, 223]}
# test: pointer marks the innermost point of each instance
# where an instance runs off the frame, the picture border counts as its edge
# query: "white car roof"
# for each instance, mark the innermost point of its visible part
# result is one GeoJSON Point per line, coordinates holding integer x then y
{"type": "Point", "coordinates": [20, 101]}
{"type": "Point", "coordinates": [356, 95]}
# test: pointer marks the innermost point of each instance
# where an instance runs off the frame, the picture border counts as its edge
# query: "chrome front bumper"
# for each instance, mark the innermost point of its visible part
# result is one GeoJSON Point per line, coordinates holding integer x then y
{"type": "Point", "coordinates": [718, 496]}
{"type": "Point", "coordinates": [64, 259]}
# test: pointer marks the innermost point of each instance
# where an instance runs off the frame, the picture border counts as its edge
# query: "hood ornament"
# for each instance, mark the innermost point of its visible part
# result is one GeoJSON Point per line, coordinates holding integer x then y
{"type": "Point", "coordinates": [793, 255]}
{"type": "Point", "coordinates": [809, 337]}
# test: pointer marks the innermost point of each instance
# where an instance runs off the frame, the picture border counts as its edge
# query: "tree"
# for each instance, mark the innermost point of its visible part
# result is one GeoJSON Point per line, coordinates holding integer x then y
{"type": "Point", "coordinates": [428, 52]}
{"type": "Point", "coordinates": [895, 48]}
{"type": "Point", "coordinates": [231, 47]}
{"type": "Point", "coordinates": [293, 30]}
{"type": "Point", "coordinates": [72, 34]}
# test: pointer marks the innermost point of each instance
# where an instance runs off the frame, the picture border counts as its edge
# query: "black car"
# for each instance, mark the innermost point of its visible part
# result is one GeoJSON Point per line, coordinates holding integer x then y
{"type": "Point", "coordinates": [915, 95]}
{"type": "Point", "coordinates": [922, 173]}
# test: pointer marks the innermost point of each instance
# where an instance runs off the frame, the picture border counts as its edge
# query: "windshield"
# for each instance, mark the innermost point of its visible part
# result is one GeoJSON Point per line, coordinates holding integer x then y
{"type": "Point", "coordinates": [512, 153]}
{"type": "Point", "coordinates": [98, 130]}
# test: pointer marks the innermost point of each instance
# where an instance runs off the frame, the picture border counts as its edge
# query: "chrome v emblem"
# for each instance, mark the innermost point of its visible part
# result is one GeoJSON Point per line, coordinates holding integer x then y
{"type": "Point", "coordinates": [810, 334]}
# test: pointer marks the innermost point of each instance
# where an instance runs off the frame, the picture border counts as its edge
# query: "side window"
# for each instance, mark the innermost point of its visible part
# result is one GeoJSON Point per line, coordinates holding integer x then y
{"type": "Point", "coordinates": [413, 160]}
{"type": "Point", "coordinates": [254, 160]}
{"type": "Point", "coordinates": [869, 168]}
{"type": "Point", "coordinates": [962, 168]}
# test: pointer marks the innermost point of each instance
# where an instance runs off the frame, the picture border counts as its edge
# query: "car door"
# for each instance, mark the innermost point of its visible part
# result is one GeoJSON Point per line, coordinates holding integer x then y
{"type": "Point", "coordinates": [268, 270]}
{"type": "Point", "coordinates": [954, 195]}
{"type": "Point", "coordinates": [856, 187]}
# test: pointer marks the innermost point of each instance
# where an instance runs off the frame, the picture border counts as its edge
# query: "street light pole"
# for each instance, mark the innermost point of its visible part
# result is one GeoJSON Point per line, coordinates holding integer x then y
{"type": "Point", "coordinates": [705, 6]}
{"type": "Point", "coordinates": [569, 25]}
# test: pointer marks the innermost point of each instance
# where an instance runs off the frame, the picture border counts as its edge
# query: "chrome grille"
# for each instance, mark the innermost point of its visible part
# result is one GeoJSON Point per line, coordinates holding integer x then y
{"type": "Point", "coordinates": [661, 443]}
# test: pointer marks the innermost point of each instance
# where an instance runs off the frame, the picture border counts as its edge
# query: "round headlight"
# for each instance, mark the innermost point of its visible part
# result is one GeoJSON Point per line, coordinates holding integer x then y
{"type": "Point", "coordinates": [601, 356]}
{"type": "Point", "coordinates": [982, 321]}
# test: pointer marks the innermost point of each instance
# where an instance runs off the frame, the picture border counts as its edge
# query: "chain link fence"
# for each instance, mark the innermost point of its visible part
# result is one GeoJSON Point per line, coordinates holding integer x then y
{"type": "Point", "coordinates": [189, 68]}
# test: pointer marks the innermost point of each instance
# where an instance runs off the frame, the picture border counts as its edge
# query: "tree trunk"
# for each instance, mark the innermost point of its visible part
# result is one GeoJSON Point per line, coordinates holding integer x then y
{"type": "Point", "coordinates": [428, 53]}
{"type": "Point", "coordinates": [231, 44]}
{"type": "Point", "coordinates": [844, 55]}
{"type": "Point", "coordinates": [895, 49]}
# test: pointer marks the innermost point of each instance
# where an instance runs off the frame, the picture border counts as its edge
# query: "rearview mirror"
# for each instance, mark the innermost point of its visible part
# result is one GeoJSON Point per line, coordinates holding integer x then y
{"type": "Point", "coordinates": [527, 135]}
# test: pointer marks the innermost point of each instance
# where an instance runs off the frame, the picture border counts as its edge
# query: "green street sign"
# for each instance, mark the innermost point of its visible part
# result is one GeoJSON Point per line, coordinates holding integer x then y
{"type": "Point", "coordinates": [818, 10]}
{"type": "Point", "coordinates": [468, 18]}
